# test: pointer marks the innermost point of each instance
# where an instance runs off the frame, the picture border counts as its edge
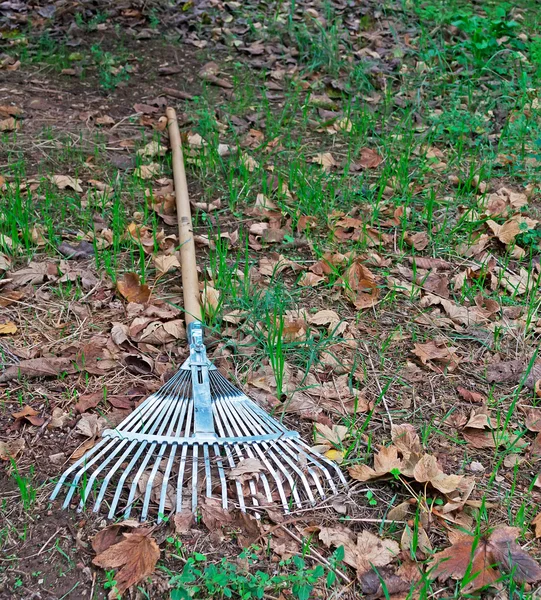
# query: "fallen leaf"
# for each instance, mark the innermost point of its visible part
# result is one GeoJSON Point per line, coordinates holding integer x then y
{"type": "Point", "coordinates": [27, 413]}
{"type": "Point", "coordinates": [483, 557]}
{"type": "Point", "coordinates": [112, 534]}
{"type": "Point", "coordinates": [136, 555]}
{"type": "Point", "coordinates": [7, 328]}
{"type": "Point", "coordinates": [430, 353]}
{"type": "Point", "coordinates": [360, 286]}
{"type": "Point", "coordinates": [9, 124]}
{"type": "Point", "coordinates": [328, 435]}
{"type": "Point", "coordinates": [91, 425]}
{"type": "Point", "coordinates": [35, 273]}
{"type": "Point", "coordinates": [11, 448]}
{"type": "Point", "coordinates": [148, 171]}
{"type": "Point", "coordinates": [374, 552]}
{"type": "Point", "coordinates": [165, 263]}
{"type": "Point", "coordinates": [213, 514]}
{"type": "Point", "coordinates": [533, 419]}
{"type": "Point", "coordinates": [248, 466]}
{"type": "Point", "coordinates": [81, 450]}
{"type": "Point", "coordinates": [131, 288]}
{"type": "Point", "coordinates": [325, 159]}
{"type": "Point", "coordinates": [505, 371]}
{"type": "Point", "coordinates": [152, 149]}
{"type": "Point", "coordinates": [65, 181]}
{"type": "Point", "coordinates": [427, 470]}
{"type": "Point", "coordinates": [418, 240]}
{"type": "Point", "coordinates": [471, 396]}
{"type": "Point", "coordinates": [536, 521]}
{"type": "Point", "coordinates": [183, 522]}
{"type": "Point", "coordinates": [368, 159]}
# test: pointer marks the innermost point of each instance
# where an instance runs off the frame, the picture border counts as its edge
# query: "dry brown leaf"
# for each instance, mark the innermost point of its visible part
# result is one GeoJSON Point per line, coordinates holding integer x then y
{"type": "Point", "coordinates": [82, 449]}
{"type": "Point", "coordinates": [65, 181]}
{"type": "Point", "coordinates": [9, 124]}
{"type": "Point", "coordinates": [136, 555]}
{"type": "Point", "coordinates": [326, 160]}
{"type": "Point", "coordinates": [533, 419]}
{"type": "Point", "coordinates": [418, 240]}
{"type": "Point", "coordinates": [131, 288]}
{"type": "Point", "coordinates": [214, 515]}
{"type": "Point", "coordinates": [374, 552]}
{"type": "Point", "coordinates": [360, 286]}
{"type": "Point", "coordinates": [368, 159]}
{"type": "Point", "coordinates": [27, 413]}
{"type": "Point", "coordinates": [91, 425]}
{"type": "Point", "coordinates": [165, 263]}
{"type": "Point", "coordinates": [112, 534]}
{"type": "Point", "coordinates": [471, 396]}
{"type": "Point", "coordinates": [246, 469]}
{"type": "Point", "coordinates": [11, 448]}
{"type": "Point", "coordinates": [478, 438]}
{"type": "Point", "coordinates": [483, 558]}
{"type": "Point", "coordinates": [210, 299]}
{"type": "Point", "coordinates": [310, 279]}
{"type": "Point", "coordinates": [35, 273]}
{"type": "Point", "coordinates": [427, 470]}
{"type": "Point", "coordinates": [431, 352]}
{"type": "Point", "coordinates": [183, 522]}
{"type": "Point", "coordinates": [422, 542]}
{"type": "Point", "coordinates": [39, 367]}
{"type": "Point", "coordinates": [406, 439]}
{"type": "Point", "coordinates": [330, 436]}
{"type": "Point", "coordinates": [537, 523]}
{"type": "Point", "coordinates": [148, 171]}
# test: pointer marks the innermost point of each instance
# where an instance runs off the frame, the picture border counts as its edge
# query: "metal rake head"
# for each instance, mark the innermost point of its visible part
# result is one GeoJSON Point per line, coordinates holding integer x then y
{"type": "Point", "coordinates": [189, 438]}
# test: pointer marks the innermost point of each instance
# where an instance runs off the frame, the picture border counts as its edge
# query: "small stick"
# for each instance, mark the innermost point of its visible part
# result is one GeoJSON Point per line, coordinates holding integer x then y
{"type": "Point", "coordinates": [382, 395]}
{"type": "Point", "coordinates": [177, 94]}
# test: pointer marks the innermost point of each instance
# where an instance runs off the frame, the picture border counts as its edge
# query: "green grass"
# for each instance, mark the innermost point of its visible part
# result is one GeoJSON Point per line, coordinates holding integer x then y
{"type": "Point", "coordinates": [455, 105]}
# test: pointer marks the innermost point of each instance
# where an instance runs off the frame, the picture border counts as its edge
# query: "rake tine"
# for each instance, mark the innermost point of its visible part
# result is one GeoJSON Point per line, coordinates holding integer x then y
{"type": "Point", "coordinates": [168, 468]}
{"type": "Point", "coordinates": [227, 449]}
{"type": "Point", "coordinates": [207, 469]}
{"type": "Point", "coordinates": [146, 501]}
{"type": "Point", "coordinates": [259, 429]}
{"type": "Point", "coordinates": [178, 412]}
{"type": "Point", "coordinates": [75, 466]}
{"type": "Point", "coordinates": [135, 481]}
{"type": "Point", "coordinates": [110, 475]}
{"type": "Point", "coordinates": [166, 475]}
{"type": "Point", "coordinates": [90, 484]}
{"type": "Point", "coordinates": [221, 475]}
{"type": "Point", "coordinates": [81, 472]}
{"type": "Point", "coordinates": [233, 427]}
{"type": "Point", "coordinates": [124, 476]}
{"type": "Point", "coordinates": [181, 469]}
{"type": "Point", "coordinates": [195, 451]}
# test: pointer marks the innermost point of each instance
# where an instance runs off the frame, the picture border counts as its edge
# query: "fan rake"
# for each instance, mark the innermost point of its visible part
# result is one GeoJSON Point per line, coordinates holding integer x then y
{"type": "Point", "coordinates": [198, 434]}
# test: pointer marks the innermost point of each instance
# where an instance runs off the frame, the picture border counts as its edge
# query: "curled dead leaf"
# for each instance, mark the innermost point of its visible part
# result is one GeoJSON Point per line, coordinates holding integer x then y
{"type": "Point", "coordinates": [136, 556]}
{"type": "Point", "coordinates": [132, 289]}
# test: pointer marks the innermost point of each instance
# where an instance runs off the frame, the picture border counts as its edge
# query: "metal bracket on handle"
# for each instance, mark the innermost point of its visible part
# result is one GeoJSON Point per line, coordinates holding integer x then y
{"type": "Point", "coordinates": [202, 400]}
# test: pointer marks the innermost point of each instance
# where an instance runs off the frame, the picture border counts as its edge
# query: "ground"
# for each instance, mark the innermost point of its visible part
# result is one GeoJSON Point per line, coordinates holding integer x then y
{"type": "Point", "coordinates": [364, 179]}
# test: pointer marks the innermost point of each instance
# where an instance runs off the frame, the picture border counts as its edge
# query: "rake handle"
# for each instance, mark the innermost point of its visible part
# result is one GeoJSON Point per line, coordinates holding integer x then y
{"type": "Point", "coordinates": [190, 284]}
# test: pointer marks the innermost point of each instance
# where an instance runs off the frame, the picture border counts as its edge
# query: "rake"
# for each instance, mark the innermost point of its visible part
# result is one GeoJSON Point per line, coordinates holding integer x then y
{"type": "Point", "coordinates": [198, 434]}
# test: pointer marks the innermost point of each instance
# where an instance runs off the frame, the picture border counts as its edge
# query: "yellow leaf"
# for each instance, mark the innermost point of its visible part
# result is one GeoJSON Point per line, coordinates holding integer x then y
{"type": "Point", "coordinates": [335, 455]}
{"type": "Point", "coordinates": [7, 328]}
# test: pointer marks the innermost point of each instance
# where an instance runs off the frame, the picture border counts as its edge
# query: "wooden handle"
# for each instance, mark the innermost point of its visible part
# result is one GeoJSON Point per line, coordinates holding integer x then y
{"type": "Point", "coordinates": [190, 285]}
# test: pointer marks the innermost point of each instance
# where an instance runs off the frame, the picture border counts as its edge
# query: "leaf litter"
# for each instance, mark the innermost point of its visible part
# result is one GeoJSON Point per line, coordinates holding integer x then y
{"type": "Point", "coordinates": [345, 281]}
